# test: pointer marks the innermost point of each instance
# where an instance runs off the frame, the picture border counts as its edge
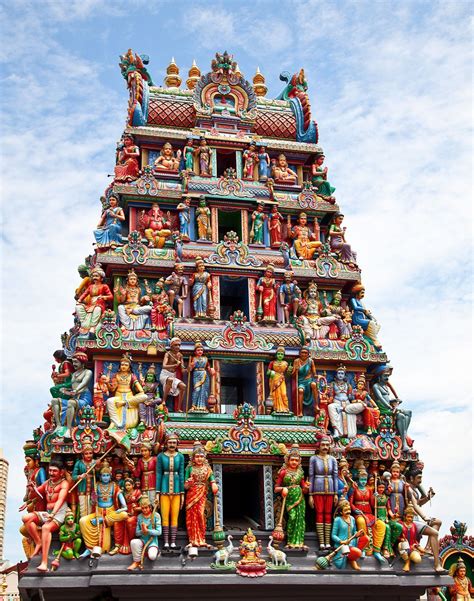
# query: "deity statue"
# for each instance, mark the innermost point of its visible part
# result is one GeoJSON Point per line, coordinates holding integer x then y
{"type": "Point", "coordinates": [145, 471]}
{"type": "Point", "coordinates": [266, 290]}
{"type": "Point", "coordinates": [251, 562]}
{"type": "Point", "coordinates": [123, 406]}
{"type": "Point", "coordinates": [198, 479]}
{"type": "Point", "coordinates": [282, 173]}
{"type": "Point", "coordinates": [202, 373]}
{"type": "Point", "coordinates": [342, 327]}
{"type": "Point", "coordinates": [388, 405]}
{"type": "Point", "coordinates": [155, 225]}
{"type": "Point", "coordinates": [176, 286]}
{"type": "Point", "coordinates": [188, 155]}
{"type": "Point", "coordinates": [263, 164]}
{"type": "Point", "coordinates": [124, 531]}
{"type": "Point", "coordinates": [35, 477]}
{"type": "Point", "coordinates": [276, 372]}
{"type": "Point", "coordinates": [324, 400]}
{"type": "Point", "coordinates": [201, 290]}
{"type": "Point", "coordinates": [134, 308]}
{"type": "Point", "coordinates": [338, 242]}
{"type": "Point", "coordinates": [40, 525]}
{"type": "Point", "coordinates": [304, 372]}
{"type": "Point", "coordinates": [315, 326]}
{"type": "Point", "coordinates": [92, 302]}
{"type": "Point", "coordinates": [127, 167]}
{"type": "Point", "coordinates": [383, 512]}
{"type": "Point", "coordinates": [305, 242]}
{"type": "Point", "coordinates": [84, 473]}
{"type": "Point", "coordinates": [170, 488]}
{"type": "Point", "coordinates": [363, 317]}
{"type": "Point", "coordinates": [344, 533]}
{"type": "Point", "coordinates": [292, 486]}
{"type": "Point", "coordinates": [250, 157]}
{"type": "Point", "coordinates": [258, 219]}
{"type": "Point", "coordinates": [323, 487]}
{"type": "Point", "coordinates": [203, 152]}
{"type": "Point", "coordinates": [274, 227]}
{"type": "Point", "coordinates": [147, 531]}
{"type": "Point", "coordinates": [171, 375]}
{"type": "Point", "coordinates": [397, 491]}
{"type": "Point", "coordinates": [203, 220]}
{"type": "Point", "coordinates": [111, 508]}
{"type": "Point", "coordinates": [184, 214]}
{"type": "Point", "coordinates": [101, 393]}
{"type": "Point", "coordinates": [70, 538]}
{"type": "Point", "coordinates": [417, 497]}
{"type": "Point", "coordinates": [167, 161]}
{"type": "Point", "coordinates": [319, 179]}
{"type": "Point", "coordinates": [462, 589]}
{"type": "Point", "coordinates": [146, 410]}
{"type": "Point", "coordinates": [344, 408]}
{"type": "Point", "coordinates": [74, 397]}
{"type": "Point", "coordinates": [161, 311]}
{"type": "Point", "coordinates": [109, 229]}
{"type": "Point", "coordinates": [344, 480]}
{"type": "Point", "coordinates": [290, 296]}
{"type": "Point", "coordinates": [62, 375]}
{"type": "Point", "coordinates": [371, 413]}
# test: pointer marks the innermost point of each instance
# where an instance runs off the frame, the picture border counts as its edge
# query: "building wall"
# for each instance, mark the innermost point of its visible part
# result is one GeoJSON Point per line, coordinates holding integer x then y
{"type": "Point", "coordinates": [3, 497]}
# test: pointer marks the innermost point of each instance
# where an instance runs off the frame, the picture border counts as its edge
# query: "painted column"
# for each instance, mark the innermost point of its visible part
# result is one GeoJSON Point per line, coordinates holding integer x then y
{"type": "Point", "coordinates": [267, 497]}
{"type": "Point", "coordinates": [252, 309]}
{"type": "Point", "coordinates": [214, 224]}
{"type": "Point", "coordinates": [217, 469]}
{"type": "Point", "coordinates": [213, 162]}
{"type": "Point", "coordinates": [238, 163]}
{"type": "Point", "coordinates": [261, 388]}
{"type": "Point", "coordinates": [216, 296]}
{"type": "Point", "coordinates": [244, 218]}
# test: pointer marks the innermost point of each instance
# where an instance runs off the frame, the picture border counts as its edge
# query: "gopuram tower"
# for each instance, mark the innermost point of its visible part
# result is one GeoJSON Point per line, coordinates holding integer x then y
{"type": "Point", "coordinates": [222, 406]}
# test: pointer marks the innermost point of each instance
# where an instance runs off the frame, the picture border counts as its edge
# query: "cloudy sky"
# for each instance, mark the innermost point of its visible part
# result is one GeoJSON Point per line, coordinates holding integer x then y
{"type": "Point", "coordinates": [390, 86]}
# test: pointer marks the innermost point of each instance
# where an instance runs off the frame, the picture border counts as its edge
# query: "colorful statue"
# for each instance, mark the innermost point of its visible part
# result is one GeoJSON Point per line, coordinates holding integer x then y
{"type": "Point", "coordinates": [371, 413]}
{"type": "Point", "coordinates": [167, 161]}
{"type": "Point", "coordinates": [274, 227]}
{"type": "Point", "coordinates": [397, 491]}
{"type": "Point", "coordinates": [345, 535]}
{"type": "Point", "coordinates": [124, 531]}
{"type": "Point", "coordinates": [203, 152]}
{"type": "Point", "coordinates": [198, 479]}
{"type": "Point", "coordinates": [84, 473]}
{"type": "Point", "coordinates": [305, 241]}
{"type": "Point", "coordinates": [462, 589]}
{"type": "Point", "coordinates": [170, 488]}
{"type": "Point", "coordinates": [201, 290]}
{"type": "Point", "coordinates": [62, 376]}
{"type": "Point", "coordinates": [35, 477]}
{"type": "Point", "coordinates": [171, 374]}
{"type": "Point", "coordinates": [258, 219]}
{"type": "Point", "coordinates": [73, 397]}
{"type": "Point", "coordinates": [362, 316]}
{"type": "Point", "coordinates": [188, 155]}
{"type": "Point", "coordinates": [147, 531]}
{"type": "Point", "coordinates": [127, 168]}
{"type": "Point", "coordinates": [304, 372]}
{"type": "Point", "coordinates": [319, 179]}
{"type": "Point", "coordinates": [282, 173]}
{"type": "Point", "coordinates": [276, 372]}
{"type": "Point", "coordinates": [146, 410]}
{"type": "Point", "coordinates": [292, 486]}
{"type": "Point", "coordinates": [92, 302]}
{"type": "Point", "coordinates": [267, 295]}
{"type": "Point", "coordinates": [109, 229]}
{"type": "Point", "coordinates": [417, 497]}
{"type": "Point", "coordinates": [323, 488]}
{"type": "Point", "coordinates": [290, 296]}
{"type": "Point", "coordinates": [383, 512]}
{"type": "Point", "coordinates": [176, 286]}
{"type": "Point", "coordinates": [184, 213]}
{"type": "Point", "coordinates": [338, 242]}
{"type": "Point", "coordinates": [343, 328]}
{"type": "Point", "coordinates": [344, 480]}
{"type": "Point", "coordinates": [344, 408]}
{"type": "Point", "coordinates": [145, 471]}
{"type": "Point", "coordinates": [134, 308]}
{"type": "Point", "coordinates": [250, 157]}
{"type": "Point", "coordinates": [101, 394]}
{"type": "Point", "coordinates": [250, 549]}
{"type": "Point", "coordinates": [202, 373]}
{"type": "Point", "coordinates": [155, 226]}
{"type": "Point", "coordinates": [314, 324]}
{"type": "Point", "coordinates": [161, 312]}
{"type": "Point", "coordinates": [203, 220]}
{"type": "Point", "coordinates": [70, 538]}
{"type": "Point", "coordinates": [263, 164]}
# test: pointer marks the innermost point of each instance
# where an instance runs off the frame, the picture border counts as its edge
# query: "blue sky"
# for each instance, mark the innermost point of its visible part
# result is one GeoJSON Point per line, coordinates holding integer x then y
{"type": "Point", "coordinates": [390, 87]}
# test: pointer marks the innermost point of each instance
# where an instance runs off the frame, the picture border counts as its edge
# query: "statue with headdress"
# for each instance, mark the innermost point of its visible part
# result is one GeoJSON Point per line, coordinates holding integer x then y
{"type": "Point", "coordinates": [462, 589]}
{"type": "Point", "coordinates": [167, 161]}
{"type": "Point", "coordinates": [93, 301]}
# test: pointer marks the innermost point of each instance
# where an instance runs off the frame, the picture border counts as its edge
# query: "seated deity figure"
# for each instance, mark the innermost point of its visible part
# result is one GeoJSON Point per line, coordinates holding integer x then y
{"type": "Point", "coordinates": [167, 161]}
{"type": "Point", "coordinates": [340, 328]}
{"type": "Point", "coordinates": [319, 179]}
{"type": "Point", "coordinates": [134, 308]}
{"type": "Point", "coordinates": [343, 409]}
{"type": "Point", "coordinates": [363, 317]}
{"type": "Point", "coordinates": [92, 303]}
{"type": "Point", "coordinates": [314, 325]}
{"type": "Point", "coordinates": [388, 403]}
{"type": "Point", "coordinates": [155, 226]}
{"type": "Point", "coordinates": [74, 396]}
{"type": "Point", "coordinates": [109, 229]}
{"type": "Point", "coordinates": [337, 241]}
{"type": "Point", "coordinates": [305, 243]}
{"type": "Point", "coordinates": [127, 167]}
{"type": "Point", "coordinates": [282, 173]}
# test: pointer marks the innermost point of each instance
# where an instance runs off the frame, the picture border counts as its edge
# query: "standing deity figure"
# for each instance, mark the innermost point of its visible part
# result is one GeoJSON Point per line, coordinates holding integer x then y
{"type": "Point", "coordinates": [383, 511]}
{"type": "Point", "coordinates": [290, 296]}
{"type": "Point", "coordinates": [337, 241]}
{"type": "Point", "coordinates": [323, 487]}
{"type": "Point", "coordinates": [274, 227]}
{"type": "Point", "coordinates": [203, 152]}
{"type": "Point", "coordinates": [184, 215]}
{"type": "Point", "coordinates": [263, 164]}
{"type": "Point", "coordinates": [134, 308]}
{"type": "Point", "coordinates": [362, 502]}
{"type": "Point", "coordinates": [146, 410]}
{"type": "Point", "coordinates": [70, 538]}
{"type": "Point", "coordinates": [172, 373]}
{"type": "Point", "coordinates": [145, 471]}
{"type": "Point", "coordinates": [371, 413]}
{"type": "Point", "coordinates": [344, 480]}
{"type": "Point", "coordinates": [84, 473]}
{"type": "Point", "coordinates": [388, 404]}
{"type": "Point", "coordinates": [127, 168]}
{"type": "Point", "coordinates": [101, 393]}
{"type": "Point", "coordinates": [40, 525]}
{"type": "Point", "coordinates": [304, 371]}
{"type": "Point", "coordinates": [35, 477]}
{"type": "Point", "coordinates": [62, 375]}
{"type": "Point", "coordinates": [282, 173]}
{"type": "Point", "coordinates": [161, 311]}
{"type": "Point", "coordinates": [462, 589]}
{"type": "Point", "coordinates": [109, 229]}
{"type": "Point", "coordinates": [417, 497]}
{"type": "Point", "coordinates": [335, 308]}
{"type": "Point", "coordinates": [74, 397]}
{"type": "Point", "coordinates": [266, 290]}
{"type": "Point", "coordinates": [319, 179]}
{"type": "Point", "coordinates": [91, 304]}
{"type": "Point", "coordinates": [292, 486]}
{"type": "Point", "coordinates": [201, 290]}
{"type": "Point", "coordinates": [397, 491]}
{"type": "Point", "coordinates": [170, 488]}
{"type": "Point", "coordinates": [277, 370]}
{"type": "Point", "coordinates": [96, 528]}
{"type": "Point", "coordinates": [147, 531]}
{"type": "Point", "coordinates": [258, 219]}
{"type": "Point", "coordinates": [123, 406]}
{"type": "Point", "coordinates": [305, 242]}
{"type": "Point", "coordinates": [176, 286]}
{"type": "Point", "coordinates": [203, 220]}
{"type": "Point", "coordinates": [188, 155]}
{"type": "Point", "coordinates": [363, 317]}
{"type": "Point", "coordinates": [124, 531]}
{"type": "Point", "coordinates": [199, 477]}
{"type": "Point", "coordinates": [201, 373]}
{"type": "Point", "coordinates": [344, 408]}
{"type": "Point", "coordinates": [315, 326]}
{"type": "Point", "coordinates": [250, 157]}
{"type": "Point", "coordinates": [167, 161]}
{"type": "Point", "coordinates": [344, 532]}
{"type": "Point", "coordinates": [155, 225]}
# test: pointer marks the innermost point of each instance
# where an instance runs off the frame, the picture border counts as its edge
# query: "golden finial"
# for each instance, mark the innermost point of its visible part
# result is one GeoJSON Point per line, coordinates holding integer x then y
{"type": "Point", "coordinates": [172, 79]}
{"type": "Point", "coordinates": [194, 75]}
{"type": "Point", "coordinates": [259, 83]}
{"type": "Point", "coordinates": [237, 70]}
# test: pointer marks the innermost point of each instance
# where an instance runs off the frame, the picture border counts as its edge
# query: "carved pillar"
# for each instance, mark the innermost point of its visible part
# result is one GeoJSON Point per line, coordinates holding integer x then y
{"type": "Point", "coordinates": [267, 497]}
{"type": "Point", "coordinates": [252, 308]}
{"type": "Point", "coordinates": [214, 224]}
{"type": "Point", "coordinates": [144, 157]}
{"type": "Point", "coordinates": [216, 296]}
{"type": "Point", "coordinates": [299, 171]}
{"type": "Point", "coordinates": [261, 388]}
{"type": "Point", "coordinates": [213, 162]}
{"type": "Point", "coordinates": [217, 384]}
{"type": "Point", "coordinates": [217, 469]}
{"type": "Point", "coordinates": [244, 218]}
{"type": "Point", "coordinates": [238, 163]}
